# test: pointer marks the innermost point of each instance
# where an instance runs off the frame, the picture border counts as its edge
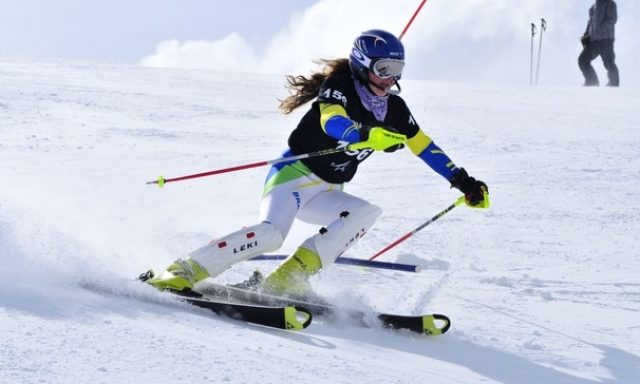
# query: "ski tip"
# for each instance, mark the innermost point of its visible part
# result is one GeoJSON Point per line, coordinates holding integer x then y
{"type": "Point", "coordinates": [435, 324]}
{"type": "Point", "coordinates": [297, 318]}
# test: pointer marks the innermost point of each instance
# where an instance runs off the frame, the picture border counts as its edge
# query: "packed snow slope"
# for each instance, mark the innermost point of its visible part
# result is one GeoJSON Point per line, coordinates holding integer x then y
{"type": "Point", "coordinates": [544, 287]}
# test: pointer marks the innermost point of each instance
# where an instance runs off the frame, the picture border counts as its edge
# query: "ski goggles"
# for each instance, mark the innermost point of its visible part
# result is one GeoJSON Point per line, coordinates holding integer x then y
{"type": "Point", "coordinates": [387, 68]}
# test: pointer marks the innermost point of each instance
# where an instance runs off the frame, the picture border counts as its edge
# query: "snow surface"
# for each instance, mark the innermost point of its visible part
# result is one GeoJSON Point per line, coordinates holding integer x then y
{"type": "Point", "coordinates": [542, 288]}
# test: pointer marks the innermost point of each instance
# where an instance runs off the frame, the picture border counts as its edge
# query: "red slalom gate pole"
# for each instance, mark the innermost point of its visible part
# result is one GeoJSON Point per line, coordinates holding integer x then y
{"type": "Point", "coordinates": [412, 18]}
{"type": "Point", "coordinates": [356, 262]}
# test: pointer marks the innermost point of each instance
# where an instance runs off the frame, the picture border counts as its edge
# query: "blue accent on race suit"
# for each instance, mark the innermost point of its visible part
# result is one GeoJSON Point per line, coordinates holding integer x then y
{"type": "Point", "coordinates": [342, 128]}
{"type": "Point", "coordinates": [438, 161]}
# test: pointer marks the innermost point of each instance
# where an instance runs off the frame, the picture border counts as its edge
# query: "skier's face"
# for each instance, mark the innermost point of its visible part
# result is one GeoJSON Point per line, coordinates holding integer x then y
{"type": "Point", "coordinates": [380, 86]}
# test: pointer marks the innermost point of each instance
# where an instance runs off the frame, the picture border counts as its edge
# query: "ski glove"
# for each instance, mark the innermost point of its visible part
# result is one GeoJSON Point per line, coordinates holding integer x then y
{"type": "Point", "coordinates": [379, 139]}
{"type": "Point", "coordinates": [396, 147]}
{"type": "Point", "coordinates": [474, 190]}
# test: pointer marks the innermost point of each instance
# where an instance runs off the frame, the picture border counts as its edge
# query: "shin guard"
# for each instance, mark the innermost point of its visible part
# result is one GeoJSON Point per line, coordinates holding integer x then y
{"type": "Point", "coordinates": [238, 246]}
{"type": "Point", "coordinates": [334, 240]}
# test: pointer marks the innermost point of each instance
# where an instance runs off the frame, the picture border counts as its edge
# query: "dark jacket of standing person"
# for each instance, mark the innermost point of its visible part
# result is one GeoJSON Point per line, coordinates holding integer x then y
{"type": "Point", "coordinates": [598, 40]}
{"type": "Point", "coordinates": [603, 16]}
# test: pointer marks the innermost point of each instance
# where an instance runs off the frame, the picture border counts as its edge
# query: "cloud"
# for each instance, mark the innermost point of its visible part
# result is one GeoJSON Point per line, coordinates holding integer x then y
{"type": "Point", "coordinates": [462, 40]}
{"type": "Point", "coordinates": [230, 53]}
{"type": "Point", "coordinates": [324, 30]}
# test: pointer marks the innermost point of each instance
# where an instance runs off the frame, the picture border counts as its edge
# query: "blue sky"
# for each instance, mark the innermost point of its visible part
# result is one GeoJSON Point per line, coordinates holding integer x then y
{"type": "Point", "coordinates": [462, 40]}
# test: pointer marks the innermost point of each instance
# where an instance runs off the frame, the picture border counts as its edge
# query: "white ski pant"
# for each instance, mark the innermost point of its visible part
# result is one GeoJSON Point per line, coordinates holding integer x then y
{"type": "Point", "coordinates": [299, 194]}
{"type": "Point", "coordinates": [313, 200]}
{"type": "Point", "coordinates": [309, 199]}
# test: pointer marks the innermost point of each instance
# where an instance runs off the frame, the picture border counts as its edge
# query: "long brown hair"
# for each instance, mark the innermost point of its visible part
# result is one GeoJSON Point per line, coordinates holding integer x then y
{"type": "Point", "coordinates": [304, 89]}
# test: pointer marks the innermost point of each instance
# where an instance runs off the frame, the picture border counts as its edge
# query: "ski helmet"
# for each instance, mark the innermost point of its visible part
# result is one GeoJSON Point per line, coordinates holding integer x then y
{"type": "Point", "coordinates": [377, 51]}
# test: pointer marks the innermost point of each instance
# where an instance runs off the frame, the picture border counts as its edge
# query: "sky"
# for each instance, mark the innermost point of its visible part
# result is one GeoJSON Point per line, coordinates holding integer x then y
{"type": "Point", "coordinates": [485, 41]}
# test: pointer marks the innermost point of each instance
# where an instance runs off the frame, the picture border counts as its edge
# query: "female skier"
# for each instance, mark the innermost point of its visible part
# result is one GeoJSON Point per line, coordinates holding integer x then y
{"type": "Point", "coordinates": [356, 109]}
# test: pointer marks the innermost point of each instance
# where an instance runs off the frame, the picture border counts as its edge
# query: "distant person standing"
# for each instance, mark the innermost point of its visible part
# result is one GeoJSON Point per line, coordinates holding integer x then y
{"type": "Point", "coordinates": [597, 41]}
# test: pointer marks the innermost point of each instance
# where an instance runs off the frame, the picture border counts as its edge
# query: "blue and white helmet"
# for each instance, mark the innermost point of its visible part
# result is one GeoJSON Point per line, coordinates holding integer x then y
{"type": "Point", "coordinates": [377, 51]}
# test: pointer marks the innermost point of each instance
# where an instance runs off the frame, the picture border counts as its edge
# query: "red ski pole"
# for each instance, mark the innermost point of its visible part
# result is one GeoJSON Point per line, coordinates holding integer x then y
{"type": "Point", "coordinates": [161, 181]}
{"type": "Point", "coordinates": [379, 139]}
{"type": "Point", "coordinates": [460, 201]}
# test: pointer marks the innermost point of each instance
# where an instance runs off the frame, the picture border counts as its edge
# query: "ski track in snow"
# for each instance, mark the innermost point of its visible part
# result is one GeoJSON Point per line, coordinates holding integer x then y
{"type": "Point", "coordinates": [541, 288]}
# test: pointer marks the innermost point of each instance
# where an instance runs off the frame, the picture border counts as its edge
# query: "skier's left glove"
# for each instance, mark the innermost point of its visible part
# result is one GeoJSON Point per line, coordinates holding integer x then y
{"type": "Point", "coordinates": [379, 139]}
{"type": "Point", "coordinates": [475, 191]}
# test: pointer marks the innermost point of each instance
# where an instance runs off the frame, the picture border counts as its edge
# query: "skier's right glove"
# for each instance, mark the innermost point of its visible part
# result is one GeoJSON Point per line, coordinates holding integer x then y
{"type": "Point", "coordinates": [379, 139]}
{"type": "Point", "coordinates": [475, 191]}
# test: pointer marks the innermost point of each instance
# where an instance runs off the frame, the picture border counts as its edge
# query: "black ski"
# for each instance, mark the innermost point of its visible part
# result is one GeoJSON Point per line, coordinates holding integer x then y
{"type": "Point", "coordinates": [290, 317]}
{"type": "Point", "coordinates": [429, 324]}
{"type": "Point", "coordinates": [283, 317]}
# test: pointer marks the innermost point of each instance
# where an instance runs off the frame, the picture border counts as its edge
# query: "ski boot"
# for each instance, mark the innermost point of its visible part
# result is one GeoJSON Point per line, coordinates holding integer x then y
{"type": "Point", "coordinates": [253, 283]}
{"type": "Point", "coordinates": [291, 277]}
{"type": "Point", "coordinates": [179, 277]}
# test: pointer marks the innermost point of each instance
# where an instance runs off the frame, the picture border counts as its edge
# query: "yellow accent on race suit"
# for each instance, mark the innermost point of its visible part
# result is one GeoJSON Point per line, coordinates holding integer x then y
{"type": "Point", "coordinates": [331, 187]}
{"type": "Point", "coordinates": [328, 111]}
{"type": "Point", "coordinates": [419, 142]}
{"type": "Point", "coordinates": [310, 184]}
